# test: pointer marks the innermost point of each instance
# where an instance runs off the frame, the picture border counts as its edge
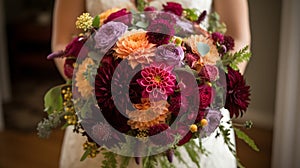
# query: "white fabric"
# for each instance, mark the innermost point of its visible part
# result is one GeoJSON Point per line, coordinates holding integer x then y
{"type": "Point", "coordinates": [219, 155]}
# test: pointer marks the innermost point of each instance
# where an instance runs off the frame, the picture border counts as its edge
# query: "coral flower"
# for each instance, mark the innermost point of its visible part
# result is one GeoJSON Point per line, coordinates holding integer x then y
{"type": "Point", "coordinates": [211, 57]}
{"type": "Point", "coordinates": [158, 81]}
{"type": "Point", "coordinates": [148, 114]}
{"type": "Point", "coordinates": [81, 77]}
{"type": "Point", "coordinates": [132, 42]}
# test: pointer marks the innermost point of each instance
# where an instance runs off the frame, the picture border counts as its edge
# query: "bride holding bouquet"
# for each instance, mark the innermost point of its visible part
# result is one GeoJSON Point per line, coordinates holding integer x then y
{"type": "Point", "coordinates": [234, 13]}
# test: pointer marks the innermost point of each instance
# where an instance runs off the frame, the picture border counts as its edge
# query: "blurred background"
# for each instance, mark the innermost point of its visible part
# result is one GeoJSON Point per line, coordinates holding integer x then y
{"type": "Point", "coordinates": [26, 74]}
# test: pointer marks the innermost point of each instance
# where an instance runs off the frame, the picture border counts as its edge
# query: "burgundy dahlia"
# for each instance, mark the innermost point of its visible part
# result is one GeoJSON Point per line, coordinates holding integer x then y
{"type": "Point", "coordinates": [238, 93]}
{"type": "Point", "coordinates": [173, 7]}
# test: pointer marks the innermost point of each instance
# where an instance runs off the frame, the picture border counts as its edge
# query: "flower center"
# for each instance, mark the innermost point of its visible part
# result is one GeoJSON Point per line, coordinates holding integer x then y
{"type": "Point", "coordinates": [157, 79]}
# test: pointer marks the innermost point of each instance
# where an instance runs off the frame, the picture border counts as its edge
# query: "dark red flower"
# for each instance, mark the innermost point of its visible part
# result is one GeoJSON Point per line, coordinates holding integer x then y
{"type": "Point", "coordinates": [184, 131]}
{"type": "Point", "coordinates": [238, 93]}
{"type": "Point", "coordinates": [178, 104]}
{"type": "Point", "coordinates": [191, 59]}
{"type": "Point", "coordinates": [158, 38]}
{"type": "Point", "coordinates": [150, 9]}
{"type": "Point", "coordinates": [217, 37]}
{"type": "Point", "coordinates": [209, 73]}
{"type": "Point", "coordinates": [73, 49]}
{"type": "Point", "coordinates": [160, 31]}
{"type": "Point", "coordinates": [173, 7]}
{"type": "Point", "coordinates": [228, 42]}
{"type": "Point", "coordinates": [69, 67]}
{"type": "Point", "coordinates": [205, 96]}
{"type": "Point", "coordinates": [120, 16]}
{"type": "Point", "coordinates": [161, 134]}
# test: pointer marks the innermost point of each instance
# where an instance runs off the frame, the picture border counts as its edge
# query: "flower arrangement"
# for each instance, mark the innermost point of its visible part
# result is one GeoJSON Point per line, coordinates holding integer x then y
{"type": "Point", "coordinates": [142, 84]}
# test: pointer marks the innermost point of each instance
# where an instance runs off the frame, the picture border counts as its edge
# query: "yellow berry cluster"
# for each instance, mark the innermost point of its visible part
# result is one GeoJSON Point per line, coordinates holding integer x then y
{"type": "Point", "coordinates": [194, 127]}
{"type": "Point", "coordinates": [70, 115]}
{"type": "Point", "coordinates": [92, 147]}
{"type": "Point", "coordinates": [84, 21]}
{"type": "Point", "coordinates": [142, 135]}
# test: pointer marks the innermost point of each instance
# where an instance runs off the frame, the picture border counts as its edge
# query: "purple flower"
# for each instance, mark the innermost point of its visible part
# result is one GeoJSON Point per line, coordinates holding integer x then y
{"type": "Point", "coordinates": [213, 118]}
{"type": "Point", "coordinates": [108, 34]}
{"type": "Point", "coordinates": [184, 27]}
{"type": "Point", "coordinates": [169, 54]}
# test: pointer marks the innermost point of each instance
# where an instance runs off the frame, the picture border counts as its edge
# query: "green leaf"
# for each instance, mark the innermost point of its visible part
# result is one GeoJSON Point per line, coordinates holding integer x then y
{"type": "Point", "coordinates": [191, 147]}
{"type": "Point", "coordinates": [191, 14]}
{"type": "Point", "coordinates": [233, 59]}
{"type": "Point", "coordinates": [96, 21]}
{"type": "Point", "coordinates": [243, 136]}
{"type": "Point", "coordinates": [203, 48]}
{"type": "Point", "coordinates": [125, 162]}
{"type": "Point", "coordinates": [177, 154]}
{"type": "Point", "coordinates": [53, 100]}
{"type": "Point", "coordinates": [110, 160]}
{"type": "Point", "coordinates": [85, 155]}
{"type": "Point", "coordinates": [140, 5]}
{"type": "Point", "coordinates": [214, 23]}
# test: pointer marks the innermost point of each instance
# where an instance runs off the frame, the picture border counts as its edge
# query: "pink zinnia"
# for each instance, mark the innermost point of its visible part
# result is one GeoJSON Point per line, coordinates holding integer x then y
{"type": "Point", "coordinates": [158, 81]}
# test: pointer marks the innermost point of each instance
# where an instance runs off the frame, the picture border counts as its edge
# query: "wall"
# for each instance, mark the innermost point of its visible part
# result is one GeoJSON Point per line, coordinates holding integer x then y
{"type": "Point", "coordinates": [262, 69]}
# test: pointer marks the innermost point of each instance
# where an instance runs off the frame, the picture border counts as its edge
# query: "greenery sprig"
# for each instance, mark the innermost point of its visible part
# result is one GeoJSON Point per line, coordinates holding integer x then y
{"type": "Point", "coordinates": [233, 59]}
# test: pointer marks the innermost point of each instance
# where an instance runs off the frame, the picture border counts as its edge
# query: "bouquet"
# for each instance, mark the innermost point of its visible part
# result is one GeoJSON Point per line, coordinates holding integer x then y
{"type": "Point", "coordinates": [142, 84]}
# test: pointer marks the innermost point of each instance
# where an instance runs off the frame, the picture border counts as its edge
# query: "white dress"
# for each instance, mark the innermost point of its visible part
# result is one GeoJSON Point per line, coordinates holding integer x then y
{"type": "Point", "coordinates": [219, 156]}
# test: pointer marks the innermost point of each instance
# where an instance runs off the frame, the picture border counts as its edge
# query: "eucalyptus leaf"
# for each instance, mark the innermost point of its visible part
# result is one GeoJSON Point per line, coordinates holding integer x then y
{"type": "Point", "coordinates": [203, 48]}
{"type": "Point", "coordinates": [142, 24]}
{"type": "Point", "coordinates": [53, 100]}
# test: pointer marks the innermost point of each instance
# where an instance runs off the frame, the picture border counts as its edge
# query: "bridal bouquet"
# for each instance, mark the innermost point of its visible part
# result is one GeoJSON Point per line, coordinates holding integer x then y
{"type": "Point", "coordinates": [141, 84]}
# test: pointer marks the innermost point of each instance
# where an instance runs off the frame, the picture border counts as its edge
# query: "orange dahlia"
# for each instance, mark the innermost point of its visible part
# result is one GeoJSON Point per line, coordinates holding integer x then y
{"type": "Point", "coordinates": [132, 42]}
{"type": "Point", "coordinates": [148, 114]}
{"type": "Point", "coordinates": [211, 57]}
{"type": "Point", "coordinates": [82, 83]}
